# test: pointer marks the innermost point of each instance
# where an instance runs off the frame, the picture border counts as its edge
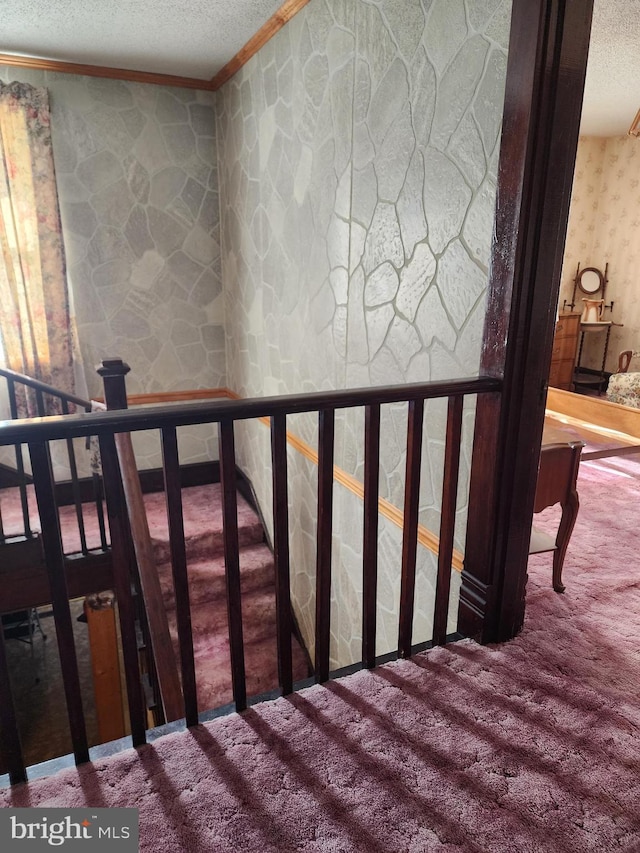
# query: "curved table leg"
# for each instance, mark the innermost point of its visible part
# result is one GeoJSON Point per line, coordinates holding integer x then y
{"type": "Point", "coordinates": [567, 522]}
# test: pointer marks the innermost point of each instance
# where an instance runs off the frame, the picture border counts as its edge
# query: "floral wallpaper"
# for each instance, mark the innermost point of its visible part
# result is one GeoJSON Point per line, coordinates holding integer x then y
{"type": "Point", "coordinates": [604, 228]}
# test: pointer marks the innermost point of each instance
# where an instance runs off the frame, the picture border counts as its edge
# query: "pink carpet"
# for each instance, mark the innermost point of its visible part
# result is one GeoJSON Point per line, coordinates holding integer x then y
{"type": "Point", "coordinates": [525, 747]}
{"type": "Point", "coordinates": [202, 518]}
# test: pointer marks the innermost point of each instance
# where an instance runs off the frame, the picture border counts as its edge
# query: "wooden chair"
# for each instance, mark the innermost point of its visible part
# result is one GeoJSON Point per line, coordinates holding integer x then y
{"type": "Point", "coordinates": [557, 475]}
{"type": "Point", "coordinates": [624, 360]}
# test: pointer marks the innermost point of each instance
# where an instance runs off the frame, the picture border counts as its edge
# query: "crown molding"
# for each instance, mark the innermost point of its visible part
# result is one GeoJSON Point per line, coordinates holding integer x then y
{"type": "Point", "coordinates": [275, 23]}
{"type": "Point", "coordinates": [103, 71]}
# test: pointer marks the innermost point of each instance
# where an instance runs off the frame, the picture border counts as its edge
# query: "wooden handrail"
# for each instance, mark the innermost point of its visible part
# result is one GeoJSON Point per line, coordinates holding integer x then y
{"type": "Point", "coordinates": [212, 411]}
{"type": "Point", "coordinates": [43, 388]}
{"type": "Point", "coordinates": [13, 379]}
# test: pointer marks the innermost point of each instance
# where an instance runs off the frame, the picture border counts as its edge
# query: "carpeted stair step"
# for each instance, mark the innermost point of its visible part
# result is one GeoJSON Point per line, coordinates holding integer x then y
{"type": "Point", "coordinates": [207, 576]}
{"type": "Point", "coordinates": [213, 671]}
{"type": "Point", "coordinates": [202, 518]}
{"type": "Point", "coordinates": [202, 514]}
{"type": "Point", "coordinates": [209, 619]}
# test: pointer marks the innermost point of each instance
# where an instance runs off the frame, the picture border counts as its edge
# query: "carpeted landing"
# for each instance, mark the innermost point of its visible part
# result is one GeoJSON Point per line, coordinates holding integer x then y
{"type": "Point", "coordinates": [529, 746]}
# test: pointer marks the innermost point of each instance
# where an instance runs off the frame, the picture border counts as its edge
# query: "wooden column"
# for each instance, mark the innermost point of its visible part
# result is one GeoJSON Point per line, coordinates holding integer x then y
{"type": "Point", "coordinates": [100, 608]}
{"type": "Point", "coordinates": [105, 665]}
{"type": "Point", "coordinates": [545, 80]}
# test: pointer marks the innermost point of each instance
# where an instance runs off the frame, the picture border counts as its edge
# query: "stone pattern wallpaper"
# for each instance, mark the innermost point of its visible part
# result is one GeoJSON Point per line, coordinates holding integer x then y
{"type": "Point", "coordinates": [604, 228]}
{"type": "Point", "coordinates": [137, 176]}
{"type": "Point", "coordinates": [357, 162]}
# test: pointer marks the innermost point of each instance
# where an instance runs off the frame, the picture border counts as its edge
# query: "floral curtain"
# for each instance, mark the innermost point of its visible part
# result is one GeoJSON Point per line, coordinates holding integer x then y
{"type": "Point", "coordinates": [35, 322]}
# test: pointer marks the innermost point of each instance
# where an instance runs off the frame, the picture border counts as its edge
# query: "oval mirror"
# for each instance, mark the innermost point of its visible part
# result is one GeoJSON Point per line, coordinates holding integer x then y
{"type": "Point", "coordinates": [590, 280]}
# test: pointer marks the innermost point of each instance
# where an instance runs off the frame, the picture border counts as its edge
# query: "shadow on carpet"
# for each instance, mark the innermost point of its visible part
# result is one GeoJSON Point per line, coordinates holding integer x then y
{"type": "Point", "coordinates": [532, 745]}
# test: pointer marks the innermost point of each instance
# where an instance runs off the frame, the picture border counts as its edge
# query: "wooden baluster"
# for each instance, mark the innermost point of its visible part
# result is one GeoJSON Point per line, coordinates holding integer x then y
{"type": "Point", "coordinates": [326, 437]}
{"type": "Point", "coordinates": [447, 517]}
{"type": "Point", "coordinates": [232, 560]}
{"type": "Point", "coordinates": [75, 486]}
{"type": "Point", "coordinates": [97, 497]}
{"type": "Point", "coordinates": [2, 536]}
{"type": "Point", "coordinates": [54, 560]}
{"type": "Point", "coordinates": [161, 643]}
{"type": "Point", "coordinates": [410, 525]}
{"type": "Point", "coordinates": [10, 746]}
{"type": "Point", "coordinates": [121, 551]}
{"type": "Point", "coordinates": [173, 497]}
{"type": "Point", "coordinates": [13, 408]}
{"type": "Point", "coordinates": [281, 549]}
{"type": "Point", "coordinates": [97, 492]}
{"type": "Point", "coordinates": [370, 538]}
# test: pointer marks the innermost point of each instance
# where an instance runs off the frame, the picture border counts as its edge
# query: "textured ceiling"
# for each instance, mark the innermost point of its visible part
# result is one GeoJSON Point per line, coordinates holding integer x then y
{"type": "Point", "coordinates": [612, 91]}
{"type": "Point", "coordinates": [195, 38]}
{"type": "Point", "coordinates": [188, 38]}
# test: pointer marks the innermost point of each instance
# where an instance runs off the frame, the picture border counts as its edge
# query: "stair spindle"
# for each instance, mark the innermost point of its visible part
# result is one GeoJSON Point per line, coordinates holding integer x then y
{"type": "Point", "coordinates": [370, 538]}
{"type": "Point", "coordinates": [75, 486]}
{"type": "Point", "coordinates": [173, 497]}
{"type": "Point", "coordinates": [281, 549]}
{"type": "Point", "coordinates": [13, 408]}
{"type": "Point", "coordinates": [10, 746]}
{"type": "Point", "coordinates": [232, 560]}
{"type": "Point", "coordinates": [410, 525]}
{"type": "Point", "coordinates": [326, 439]}
{"type": "Point", "coordinates": [121, 550]}
{"type": "Point", "coordinates": [447, 517]}
{"type": "Point", "coordinates": [54, 560]}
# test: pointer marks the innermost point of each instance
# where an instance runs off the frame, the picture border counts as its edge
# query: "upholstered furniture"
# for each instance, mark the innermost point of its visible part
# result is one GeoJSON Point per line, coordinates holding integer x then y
{"type": "Point", "coordinates": [557, 475]}
{"type": "Point", "coordinates": [624, 388]}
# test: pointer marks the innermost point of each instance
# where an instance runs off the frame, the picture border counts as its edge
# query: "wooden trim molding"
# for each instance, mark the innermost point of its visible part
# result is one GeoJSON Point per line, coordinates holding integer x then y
{"type": "Point", "coordinates": [181, 396]}
{"type": "Point", "coordinates": [275, 23]}
{"type": "Point", "coordinates": [425, 537]}
{"type": "Point", "coordinates": [104, 71]}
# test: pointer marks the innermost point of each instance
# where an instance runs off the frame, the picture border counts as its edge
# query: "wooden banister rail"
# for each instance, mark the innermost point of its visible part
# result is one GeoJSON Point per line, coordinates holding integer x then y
{"type": "Point", "coordinates": [43, 388]}
{"type": "Point", "coordinates": [114, 427]}
{"type": "Point", "coordinates": [212, 411]}
{"type": "Point", "coordinates": [42, 391]}
{"type": "Point", "coordinates": [113, 372]}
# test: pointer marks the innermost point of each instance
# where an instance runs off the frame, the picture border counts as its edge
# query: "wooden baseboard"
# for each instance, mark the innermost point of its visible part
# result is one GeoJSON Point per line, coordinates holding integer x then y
{"type": "Point", "coordinates": [151, 480]}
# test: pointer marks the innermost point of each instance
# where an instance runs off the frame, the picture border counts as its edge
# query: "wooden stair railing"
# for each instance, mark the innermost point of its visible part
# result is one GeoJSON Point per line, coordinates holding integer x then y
{"type": "Point", "coordinates": [63, 400]}
{"type": "Point", "coordinates": [110, 426]}
{"type": "Point", "coordinates": [113, 372]}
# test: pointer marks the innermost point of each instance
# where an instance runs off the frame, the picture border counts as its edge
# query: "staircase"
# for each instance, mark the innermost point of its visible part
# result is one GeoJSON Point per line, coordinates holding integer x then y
{"type": "Point", "coordinates": [202, 514]}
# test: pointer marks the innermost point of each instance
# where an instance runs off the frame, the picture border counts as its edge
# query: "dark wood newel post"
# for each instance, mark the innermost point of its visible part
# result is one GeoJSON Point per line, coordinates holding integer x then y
{"type": "Point", "coordinates": [113, 372]}
{"type": "Point", "coordinates": [547, 62]}
{"type": "Point", "coordinates": [136, 531]}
